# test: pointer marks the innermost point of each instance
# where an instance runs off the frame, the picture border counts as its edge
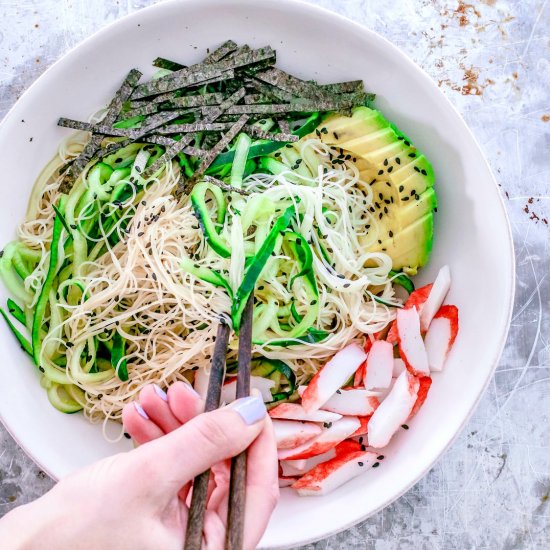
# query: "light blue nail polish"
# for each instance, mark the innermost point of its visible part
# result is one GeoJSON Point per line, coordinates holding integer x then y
{"type": "Point", "coordinates": [140, 410]}
{"type": "Point", "coordinates": [251, 409]}
{"type": "Point", "coordinates": [160, 392]}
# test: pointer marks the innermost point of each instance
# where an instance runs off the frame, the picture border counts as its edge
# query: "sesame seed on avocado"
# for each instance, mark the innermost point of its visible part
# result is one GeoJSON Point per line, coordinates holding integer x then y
{"type": "Point", "coordinates": [401, 180]}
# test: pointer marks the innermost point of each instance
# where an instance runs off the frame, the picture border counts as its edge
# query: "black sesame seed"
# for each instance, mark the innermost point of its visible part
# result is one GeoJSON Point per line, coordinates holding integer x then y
{"type": "Point", "coordinates": [380, 196]}
{"type": "Point", "coordinates": [390, 169]}
{"type": "Point", "coordinates": [117, 160]}
{"type": "Point", "coordinates": [401, 188]}
{"type": "Point", "coordinates": [335, 135]}
{"type": "Point", "coordinates": [416, 169]}
{"type": "Point", "coordinates": [144, 203]}
{"type": "Point", "coordinates": [360, 463]}
{"type": "Point", "coordinates": [397, 160]}
{"type": "Point", "coordinates": [390, 233]}
{"type": "Point", "coordinates": [338, 392]}
{"type": "Point", "coordinates": [138, 169]}
{"type": "Point", "coordinates": [41, 369]}
{"type": "Point", "coordinates": [346, 285]}
{"type": "Point", "coordinates": [141, 233]}
{"type": "Point", "coordinates": [417, 197]}
{"type": "Point", "coordinates": [405, 199]}
{"type": "Point", "coordinates": [376, 464]}
{"type": "Point", "coordinates": [407, 143]}
{"type": "Point", "coordinates": [74, 226]}
{"type": "Point", "coordinates": [361, 440]}
{"type": "Point", "coordinates": [380, 216]}
{"type": "Point", "coordinates": [404, 426]}
{"type": "Point", "coordinates": [379, 241]}
{"type": "Point", "coordinates": [423, 172]}
{"type": "Point", "coordinates": [380, 172]}
{"type": "Point", "coordinates": [313, 302]}
{"type": "Point", "coordinates": [380, 457]}
{"type": "Point", "coordinates": [154, 275]}
{"type": "Point", "coordinates": [412, 155]}
{"type": "Point", "coordinates": [340, 276]}
{"type": "Point", "coordinates": [127, 435]}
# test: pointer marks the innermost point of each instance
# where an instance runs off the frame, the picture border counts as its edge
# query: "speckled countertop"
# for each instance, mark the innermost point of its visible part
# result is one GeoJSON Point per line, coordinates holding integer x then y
{"type": "Point", "coordinates": [491, 489]}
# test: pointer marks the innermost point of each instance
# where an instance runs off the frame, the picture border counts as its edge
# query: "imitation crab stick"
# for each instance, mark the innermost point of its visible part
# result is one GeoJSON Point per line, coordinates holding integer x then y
{"type": "Point", "coordinates": [332, 376]}
{"type": "Point", "coordinates": [300, 467]}
{"type": "Point", "coordinates": [329, 475]}
{"type": "Point", "coordinates": [435, 299]}
{"type": "Point", "coordinates": [393, 411]}
{"type": "Point", "coordinates": [291, 433]}
{"type": "Point", "coordinates": [352, 402]}
{"type": "Point", "coordinates": [379, 367]}
{"type": "Point", "coordinates": [326, 440]}
{"type": "Point", "coordinates": [441, 336]}
{"type": "Point", "coordinates": [411, 345]}
{"type": "Point", "coordinates": [293, 411]}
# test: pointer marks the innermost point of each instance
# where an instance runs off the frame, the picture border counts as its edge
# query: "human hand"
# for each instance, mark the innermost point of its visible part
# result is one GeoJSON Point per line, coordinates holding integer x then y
{"type": "Point", "coordinates": [139, 499]}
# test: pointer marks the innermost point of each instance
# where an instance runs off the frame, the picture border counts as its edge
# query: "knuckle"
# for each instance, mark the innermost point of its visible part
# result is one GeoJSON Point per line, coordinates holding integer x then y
{"type": "Point", "coordinates": [213, 434]}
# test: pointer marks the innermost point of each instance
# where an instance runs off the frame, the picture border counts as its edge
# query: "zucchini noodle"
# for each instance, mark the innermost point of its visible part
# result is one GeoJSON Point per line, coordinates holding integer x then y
{"type": "Point", "coordinates": [150, 274]}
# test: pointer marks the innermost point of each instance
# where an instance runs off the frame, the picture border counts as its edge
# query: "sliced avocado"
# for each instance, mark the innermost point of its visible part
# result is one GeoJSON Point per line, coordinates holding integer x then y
{"type": "Point", "coordinates": [401, 180]}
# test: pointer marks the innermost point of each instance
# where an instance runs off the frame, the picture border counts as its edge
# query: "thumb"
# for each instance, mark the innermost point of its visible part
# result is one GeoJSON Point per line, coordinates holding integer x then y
{"type": "Point", "coordinates": [176, 458]}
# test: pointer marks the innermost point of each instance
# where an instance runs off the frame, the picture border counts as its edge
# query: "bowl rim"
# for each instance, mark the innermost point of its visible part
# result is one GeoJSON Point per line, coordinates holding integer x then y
{"type": "Point", "coordinates": [285, 5]}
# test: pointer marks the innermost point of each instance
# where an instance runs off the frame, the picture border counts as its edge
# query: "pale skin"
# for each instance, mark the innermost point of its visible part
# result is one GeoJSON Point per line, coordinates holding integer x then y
{"type": "Point", "coordinates": [139, 499]}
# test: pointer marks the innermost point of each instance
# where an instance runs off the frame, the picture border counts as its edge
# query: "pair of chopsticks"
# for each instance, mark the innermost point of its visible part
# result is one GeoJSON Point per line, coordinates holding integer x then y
{"type": "Point", "coordinates": [237, 486]}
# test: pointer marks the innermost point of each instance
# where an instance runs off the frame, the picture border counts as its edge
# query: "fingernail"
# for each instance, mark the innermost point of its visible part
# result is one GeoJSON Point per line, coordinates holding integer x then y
{"type": "Point", "coordinates": [191, 389]}
{"type": "Point", "coordinates": [251, 409]}
{"type": "Point", "coordinates": [160, 392]}
{"type": "Point", "coordinates": [140, 410]}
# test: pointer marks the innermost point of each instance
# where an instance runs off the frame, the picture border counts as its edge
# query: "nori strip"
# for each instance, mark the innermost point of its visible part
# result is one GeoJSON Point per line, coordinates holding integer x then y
{"type": "Point", "coordinates": [163, 63]}
{"type": "Point", "coordinates": [261, 134]}
{"type": "Point", "coordinates": [252, 99]}
{"type": "Point", "coordinates": [115, 106]}
{"type": "Point", "coordinates": [214, 112]}
{"type": "Point", "coordinates": [211, 154]}
{"type": "Point", "coordinates": [349, 87]}
{"type": "Point", "coordinates": [201, 72]}
{"type": "Point", "coordinates": [270, 91]}
{"type": "Point", "coordinates": [197, 100]}
{"type": "Point", "coordinates": [222, 185]}
{"type": "Point", "coordinates": [280, 79]}
{"type": "Point", "coordinates": [97, 128]}
{"type": "Point", "coordinates": [219, 53]}
{"type": "Point", "coordinates": [201, 126]}
{"type": "Point", "coordinates": [284, 126]}
{"type": "Point", "coordinates": [148, 108]}
{"type": "Point", "coordinates": [277, 108]}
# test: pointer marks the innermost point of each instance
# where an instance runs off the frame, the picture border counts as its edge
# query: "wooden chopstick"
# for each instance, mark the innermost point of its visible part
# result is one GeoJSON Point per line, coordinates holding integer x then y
{"type": "Point", "coordinates": [237, 486]}
{"type": "Point", "coordinates": [195, 521]}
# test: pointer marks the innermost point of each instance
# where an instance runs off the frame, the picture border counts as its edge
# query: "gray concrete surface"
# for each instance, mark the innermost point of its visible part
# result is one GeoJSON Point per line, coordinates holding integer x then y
{"type": "Point", "coordinates": [491, 489]}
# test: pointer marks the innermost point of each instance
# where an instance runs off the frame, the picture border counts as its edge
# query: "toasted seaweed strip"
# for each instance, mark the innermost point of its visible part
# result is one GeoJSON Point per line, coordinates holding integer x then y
{"type": "Point", "coordinates": [224, 186]}
{"type": "Point", "coordinates": [284, 126]}
{"type": "Point", "coordinates": [148, 108]}
{"type": "Point", "coordinates": [98, 128]}
{"type": "Point", "coordinates": [163, 63]}
{"type": "Point", "coordinates": [349, 87]}
{"type": "Point", "coordinates": [172, 129]}
{"type": "Point", "coordinates": [169, 154]}
{"type": "Point", "coordinates": [197, 100]}
{"type": "Point", "coordinates": [214, 112]}
{"type": "Point", "coordinates": [115, 106]}
{"type": "Point", "coordinates": [270, 91]}
{"type": "Point", "coordinates": [159, 140]}
{"type": "Point", "coordinates": [219, 53]}
{"type": "Point", "coordinates": [280, 79]}
{"type": "Point", "coordinates": [211, 154]}
{"type": "Point", "coordinates": [252, 99]}
{"type": "Point", "coordinates": [278, 108]}
{"type": "Point", "coordinates": [201, 72]}
{"type": "Point", "coordinates": [261, 134]}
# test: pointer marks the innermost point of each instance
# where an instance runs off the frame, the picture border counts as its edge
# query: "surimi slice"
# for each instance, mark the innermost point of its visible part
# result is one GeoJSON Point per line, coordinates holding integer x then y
{"type": "Point", "coordinates": [291, 433]}
{"type": "Point", "coordinates": [300, 467]}
{"type": "Point", "coordinates": [423, 388]}
{"type": "Point", "coordinates": [286, 481]}
{"type": "Point", "coordinates": [326, 440]}
{"type": "Point", "coordinates": [439, 290]}
{"type": "Point", "coordinates": [379, 368]}
{"type": "Point", "coordinates": [327, 476]}
{"type": "Point", "coordinates": [264, 385]}
{"type": "Point", "coordinates": [332, 376]}
{"type": "Point", "coordinates": [364, 426]}
{"type": "Point", "coordinates": [398, 366]}
{"type": "Point", "coordinates": [411, 345]}
{"type": "Point", "coordinates": [394, 411]}
{"type": "Point", "coordinates": [441, 336]}
{"type": "Point", "coordinates": [417, 299]}
{"type": "Point", "coordinates": [352, 402]}
{"type": "Point", "coordinates": [293, 411]}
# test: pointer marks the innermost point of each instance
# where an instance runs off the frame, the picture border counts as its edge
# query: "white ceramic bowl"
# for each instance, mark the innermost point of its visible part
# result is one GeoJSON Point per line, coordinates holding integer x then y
{"type": "Point", "coordinates": [472, 232]}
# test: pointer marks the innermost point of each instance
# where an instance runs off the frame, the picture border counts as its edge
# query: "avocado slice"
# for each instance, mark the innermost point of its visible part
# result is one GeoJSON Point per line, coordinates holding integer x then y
{"type": "Point", "coordinates": [401, 179]}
